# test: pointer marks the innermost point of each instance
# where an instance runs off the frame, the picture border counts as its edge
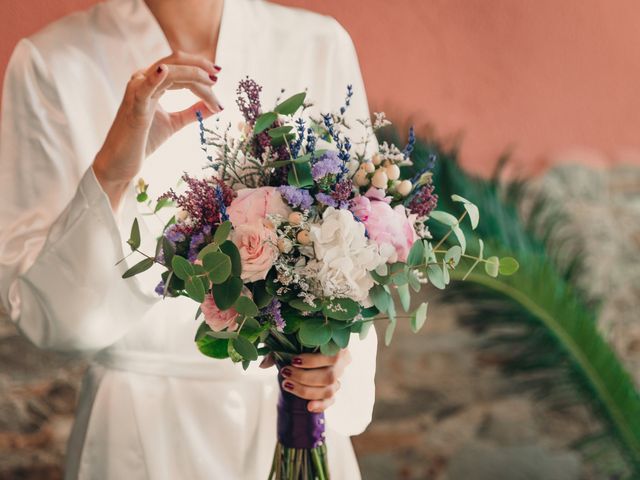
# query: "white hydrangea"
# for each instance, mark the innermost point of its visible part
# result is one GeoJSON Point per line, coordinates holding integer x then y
{"type": "Point", "coordinates": [343, 256]}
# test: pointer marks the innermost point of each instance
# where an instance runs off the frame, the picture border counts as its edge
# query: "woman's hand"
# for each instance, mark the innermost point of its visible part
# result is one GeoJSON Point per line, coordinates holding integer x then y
{"type": "Point", "coordinates": [315, 377]}
{"type": "Point", "coordinates": [141, 125]}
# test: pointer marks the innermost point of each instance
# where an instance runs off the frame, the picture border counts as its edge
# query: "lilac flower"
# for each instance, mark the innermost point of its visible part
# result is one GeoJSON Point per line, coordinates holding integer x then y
{"type": "Point", "coordinates": [342, 192]}
{"type": "Point", "coordinates": [328, 164]}
{"type": "Point", "coordinates": [275, 314]}
{"type": "Point", "coordinates": [424, 202]}
{"type": "Point", "coordinates": [296, 197]}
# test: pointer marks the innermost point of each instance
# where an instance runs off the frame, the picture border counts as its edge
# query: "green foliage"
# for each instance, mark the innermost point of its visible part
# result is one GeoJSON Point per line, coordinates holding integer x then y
{"type": "Point", "coordinates": [291, 104]}
{"type": "Point", "coordinates": [134, 237]}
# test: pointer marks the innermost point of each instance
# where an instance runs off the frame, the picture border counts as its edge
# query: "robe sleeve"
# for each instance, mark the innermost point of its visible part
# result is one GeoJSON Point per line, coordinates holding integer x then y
{"type": "Point", "coordinates": [59, 239]}
{"type": "Point", "coordinates": [352, 411]}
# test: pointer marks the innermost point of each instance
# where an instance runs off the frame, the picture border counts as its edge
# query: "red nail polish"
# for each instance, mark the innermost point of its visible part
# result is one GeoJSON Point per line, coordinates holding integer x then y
{"type": "Point", "coordinates": [213, 78]}
{"type": "Point", "coordinates": [286, 372]}
{"type": "Point", "coordinates": [220, 107]}
{"type": "Point", "coordinates": [159, 69]}
{"type": "Point", "coordinates": [297, 361]}
{"type": "Point", "coordinates": [288, 385]}
{"type": "Point", "coordinates": [217, 67]}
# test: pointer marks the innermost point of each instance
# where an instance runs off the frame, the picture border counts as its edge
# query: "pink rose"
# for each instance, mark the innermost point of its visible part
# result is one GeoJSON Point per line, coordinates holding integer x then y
{"type": "Point", "coordinates": [258, 250]}
{"type": "Point", "coordinates": [218, 319]}
{"type": "Point", "coordinates": [391, 226]}
{"type": "Point", "coordinates": [254, 204]}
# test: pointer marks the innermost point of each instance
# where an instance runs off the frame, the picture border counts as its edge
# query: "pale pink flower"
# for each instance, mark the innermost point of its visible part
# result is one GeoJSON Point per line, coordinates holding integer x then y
{"type": "Point", "coordinates": [253, 204]}
{"type": "Point", "coordinates": [218, 319]}
{"type": "Point", "coordinates": [391, 226]}
{"type": "Point", "coordinates": [258, 250]}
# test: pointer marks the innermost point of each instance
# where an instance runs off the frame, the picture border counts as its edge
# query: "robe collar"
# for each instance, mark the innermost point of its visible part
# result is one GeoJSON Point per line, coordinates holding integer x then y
{"type": "Point", "coordinates": [147, 42]}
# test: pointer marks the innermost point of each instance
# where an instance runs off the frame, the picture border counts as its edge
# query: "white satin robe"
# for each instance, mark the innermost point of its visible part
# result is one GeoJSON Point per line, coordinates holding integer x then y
{"type": "Point", "coordinates": [151, 406]}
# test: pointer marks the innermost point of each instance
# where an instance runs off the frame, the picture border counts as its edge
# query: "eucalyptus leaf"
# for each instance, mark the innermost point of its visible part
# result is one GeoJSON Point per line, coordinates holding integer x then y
{"type": "Point", "coordinates": [300, 175]}
{"type": "Point", "coordinates": [452, 256]}
{"type": "Point", "coordinates": [264, 121]}
{"type": "Point", "coordinates": [462, 240]}
{"type": "Point", "coordinates": [303, 306]}
{"type": "Point", "coordinates": [492, 266]}
{"type": "Point", "coordinates": [291, 104]}
{"type": "Point", "coordinates": [341, 336]}
{"type": "Point", "coordinates": [162, 203]}
{"type": "Point", "coordinates": [218, 266]}
{"type": "Point", "coordinates": [416, 254]}
{"type": "Point", "coordinates": [223, 334]}
{"type": "Point", "coordinates": [405, 296]}
{"type": "Point", "coordinates": [245, 306]}
{"type": "Point", "coordinates": [280, 131]}
{"type": "Point", "coordinates": [214, 347]}
{"type": "Point", "coordinates": [380, 298]}
{"type": "Point", "coordinates": [245, 348]}
{"type": "Point", "coordinates": [436, 277]}
{"type": "Point", "coordinates": [444, 217]}
{"type": "Point", "coordinates": [229, 248]}
{"type": "Point", "coordinates": [182, 267]}
{"type": "Point", "coordinates": [419, 317]}
{"type": "Point", "coordinates": [194, 289]}
{"type": "Point", "coordinates": [168, 250]}
{"type": "Point", "coordinates": [414, 281]}
{"type": "Point", "coordinates": [330, 348]}
{"type": "Point", "coordinates": [139, 267]}
{"type": "Point", "coordinates": [261, 297]}
{"type": "Point", "coordinates": [341, 308]}
{"type": "Point", "coordinates": [445, 272]}
{"type": "Point", "coordinates": [222, 232]}
{"type": "Point", "coordinates": [508, 266]}
{"type": "Point", "coordinates": [134, 236]}
{"type": "Point", "coordinates": [226, 294]}
{"type": "Point", "coordinates": [212, 247]}
{"type": "Point", "coordinates": [314, 332]}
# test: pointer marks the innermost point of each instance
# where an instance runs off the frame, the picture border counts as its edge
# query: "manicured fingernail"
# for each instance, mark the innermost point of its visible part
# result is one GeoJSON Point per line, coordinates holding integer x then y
{"type": "Point", "coordinates": [288, 385]}
{"type": "Point", "coordinates": [286, 372]}
{"type": "Point", "coordinates": [217, 67]}
{"type": "Point", "coordinates": [297, 361]}
{"type": "Point", "coordinates": [159, 69]}
{"type": "Point", "coordinates": [213, 78]}
{"type": "Point", "coordinates": [220, 107]}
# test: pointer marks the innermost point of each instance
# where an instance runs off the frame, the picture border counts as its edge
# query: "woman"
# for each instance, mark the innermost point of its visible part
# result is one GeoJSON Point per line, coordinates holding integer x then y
{"type": "Point", "coordinates": [81, 114]}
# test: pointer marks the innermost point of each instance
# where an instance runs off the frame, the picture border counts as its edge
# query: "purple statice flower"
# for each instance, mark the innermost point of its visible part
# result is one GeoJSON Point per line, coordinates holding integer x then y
{"type": "Point", "coordinates": [160, 288]}
{"type": "Point", "coordinates": [296, 197]}
{"type": "Point", "coordinates": [248, 99]}
{"type": "Point", "coordinates": [328, 164]}
{"type": "Point", "coordinates": [197, 241]}
{"type": "Point", "coordinates": [275, 314]}
{"type": "Point", "coordinates": [203, 201]}
{"type": "Point", "coordinates": [423, 202]}
{"type": "Point", "coordinates": [174, 234]}
{"type": "Point", "coordinates": [326, 199]}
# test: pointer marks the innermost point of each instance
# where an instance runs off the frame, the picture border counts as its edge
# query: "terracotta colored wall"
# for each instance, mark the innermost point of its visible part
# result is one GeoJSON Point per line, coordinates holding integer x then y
{"type": "Point", "coordinates": [551, 80]}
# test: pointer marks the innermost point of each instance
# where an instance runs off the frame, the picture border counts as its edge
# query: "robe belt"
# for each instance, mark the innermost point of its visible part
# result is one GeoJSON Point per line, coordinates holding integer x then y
{"type": "Point", "coordinates": [159, 364]}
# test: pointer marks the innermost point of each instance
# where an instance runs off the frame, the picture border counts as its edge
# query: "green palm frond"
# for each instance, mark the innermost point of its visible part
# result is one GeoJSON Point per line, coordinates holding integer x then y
{"type": "Point", "coordinates": [540, 325]}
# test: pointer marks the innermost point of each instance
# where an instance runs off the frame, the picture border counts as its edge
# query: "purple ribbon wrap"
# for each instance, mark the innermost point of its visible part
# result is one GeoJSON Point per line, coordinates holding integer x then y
{"type": "Point", "coordinates": [297, 426]}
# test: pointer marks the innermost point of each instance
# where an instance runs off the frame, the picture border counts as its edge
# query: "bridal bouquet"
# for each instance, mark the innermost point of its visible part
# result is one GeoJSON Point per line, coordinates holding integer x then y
{"type": "Point", "coordinates": [298, 238]}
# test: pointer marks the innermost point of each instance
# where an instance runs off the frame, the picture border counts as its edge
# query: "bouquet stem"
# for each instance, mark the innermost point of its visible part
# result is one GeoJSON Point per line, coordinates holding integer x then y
{"type": "Point", "coordinates": [301, 452]}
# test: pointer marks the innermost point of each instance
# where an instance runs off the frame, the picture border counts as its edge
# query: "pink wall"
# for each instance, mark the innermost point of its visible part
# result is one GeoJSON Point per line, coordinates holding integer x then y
{"type": "Point", "coordinates": [550, 80]}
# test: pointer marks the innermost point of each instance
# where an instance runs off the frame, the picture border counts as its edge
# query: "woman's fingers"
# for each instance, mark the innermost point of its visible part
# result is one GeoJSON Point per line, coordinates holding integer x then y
{"type": "Point", "coordinates": [317, 360]}
{"type": "Point", "coordinates": [318, 406]}
{"type": "Point", "coordinates": [310, 393]}
{"type": "Point", "coordinates": [188, 115]}
{"type": "Point", "coordinates": [195, 79]}
{"type": "Point", "coordinates": [314, 377]}
{"type": "Point", "coordinates": [183, 58]}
